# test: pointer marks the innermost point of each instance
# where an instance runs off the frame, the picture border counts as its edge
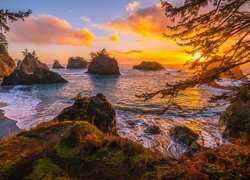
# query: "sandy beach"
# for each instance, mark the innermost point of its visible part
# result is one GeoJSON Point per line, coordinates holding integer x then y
{"type": "Point", "coordinates": [7, 126]}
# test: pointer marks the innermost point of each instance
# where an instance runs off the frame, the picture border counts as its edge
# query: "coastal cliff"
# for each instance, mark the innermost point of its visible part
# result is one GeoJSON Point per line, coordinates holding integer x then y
{"type": "Point", "coordinates": [7, 64]}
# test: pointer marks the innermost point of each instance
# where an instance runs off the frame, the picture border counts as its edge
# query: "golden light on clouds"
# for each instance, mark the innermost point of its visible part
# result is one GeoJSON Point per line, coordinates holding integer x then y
{"type": "Point", "coordinates": [48, 30]}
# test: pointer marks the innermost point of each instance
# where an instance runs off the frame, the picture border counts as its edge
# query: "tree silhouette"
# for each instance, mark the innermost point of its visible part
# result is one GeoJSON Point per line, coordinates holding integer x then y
{"type": "Point", "coordinates": [7, 16]}
{"type": "Point", "coordinates": [217, 29]}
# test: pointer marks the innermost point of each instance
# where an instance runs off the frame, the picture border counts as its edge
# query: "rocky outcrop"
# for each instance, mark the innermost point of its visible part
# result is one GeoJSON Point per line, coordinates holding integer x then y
{"type": "Point", "coordinates": [149, 66]}
{"type": "Point", "coordinates": [152, 130]}
{"type": "Point", "coordinates": [76, 63]}
{"type": "Point", "coordinates": [40, 76]}
{"type": "Point", "coordinates": [57, 65]}
{"type": "Point", "coordinates": [235, 73]}
{"type": "Point", "coordinates": [236, 117]}
{"type": "Point", "coordinates": [7, 64]}
{"type": "Point", "coordinates": [185, 137]}
{"type": "Point", "coordinates": [96, 110]}
{"type": "Point", "coordinates": [103, 64]}
{"type": "Point", "coordinates": [30, 63]}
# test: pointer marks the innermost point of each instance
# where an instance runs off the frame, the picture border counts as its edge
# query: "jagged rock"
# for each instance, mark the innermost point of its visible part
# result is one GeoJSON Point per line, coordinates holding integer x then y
{"type": "Point", "coordinates": [30, 63]}
{"type": "Point", "coordinates": [7, 64]}
{"type": "Point", "coordinates": [185, 137]}
{"type": "Point", "coordinates": [150, 66]}
{"type": "Point", "coordinates": [103, 64]}
{"type": "Point", "coordinates": [153, 130]}
{"type": "Point", "coordinates": [57, 65]}
{"type": "Point", "coordinates": [40, 76]}
{"type": "Point", "coordinates": [96, 110]}
{"type": "Point", "coordinates": [76, 63]}
{"type": "Point", "coordinates": [236, 117]}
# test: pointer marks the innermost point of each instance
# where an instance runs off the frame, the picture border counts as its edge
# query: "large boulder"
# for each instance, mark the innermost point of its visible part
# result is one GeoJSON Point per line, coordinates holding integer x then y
{"type": "Point", "coordinates": [236, 117]}
{"type": "Point", "coordinates": [149, 66]}
{"type": "Point", "coordinates": [186, 138]}
{"type": "Point", "coordinates": [7, 64]}
{"type": "Point", "coordinates": [96, 110]}
{"type": "Point", "coordinates": [103, 64]}
{"type": "Point", "coordinates": [30, 63]}
{"type": "Point", "coordinates": [76, 63]}
{"type": "Point", "coordinates": [57, 65]}
{"type": "Point", "coordinates": [40, 76]}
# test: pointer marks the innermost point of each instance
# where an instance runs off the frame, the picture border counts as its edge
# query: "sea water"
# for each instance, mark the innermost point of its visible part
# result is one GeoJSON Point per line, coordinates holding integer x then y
{"type": "Point", "coordinates": [31, 105]}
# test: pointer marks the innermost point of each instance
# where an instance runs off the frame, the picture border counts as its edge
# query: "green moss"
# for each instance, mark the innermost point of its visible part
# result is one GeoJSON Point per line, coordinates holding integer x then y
{"type": "Point", "coordinates": [67, 152]}
{"type": "Point", "coordinates": [45, 169]}
{"type": "Point", "coordinates": [69, 144]}
{"type": "Point", "coordinates": [3, 154]}
{"type": "Point", "coordinates": [9, 165]}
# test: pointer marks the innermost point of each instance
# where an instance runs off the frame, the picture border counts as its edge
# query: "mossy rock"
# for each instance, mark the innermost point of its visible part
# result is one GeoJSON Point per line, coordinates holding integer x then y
{"type": "Point", "coordinates": [7, 167]}
{"type": "Point", "coordinates": [76, 112]}
{"type": "Point", "coordinates": [46, 169]}
{"type": "Point", "coordinates": [96, 110]}
{"type": "Point", "coordinates": [69, 144]}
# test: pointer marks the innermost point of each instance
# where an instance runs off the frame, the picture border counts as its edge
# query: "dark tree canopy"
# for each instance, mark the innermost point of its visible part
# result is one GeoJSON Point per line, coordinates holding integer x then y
{"type": "Point", "coordinates": [5, 17]}
{"type": "Point", "coordinates": [217, 29]}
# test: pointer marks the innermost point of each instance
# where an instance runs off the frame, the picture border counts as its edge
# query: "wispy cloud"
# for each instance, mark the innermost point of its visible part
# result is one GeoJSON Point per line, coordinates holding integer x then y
{"type": "Point", "coordinates": [132, 6]}
{"type": "Point", "coordinates": [86, 19]}
{"type": "Point", "coordinates": [47, 29]}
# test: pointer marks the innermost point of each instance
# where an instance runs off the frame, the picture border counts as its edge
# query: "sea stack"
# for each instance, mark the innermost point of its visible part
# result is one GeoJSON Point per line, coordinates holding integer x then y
{"type": "Point", "coordinates": [32, 71]}
{"type": "Point", "coordinates": [149, 66]}
{"type": "Point", "coordinates": [76, 63]}
{"type": "Point", "coordinates": [57, 65]}
{"type": "Point", "coordinates": [103, 64]}
{"type": "Point", "coordinates": [30, 63]}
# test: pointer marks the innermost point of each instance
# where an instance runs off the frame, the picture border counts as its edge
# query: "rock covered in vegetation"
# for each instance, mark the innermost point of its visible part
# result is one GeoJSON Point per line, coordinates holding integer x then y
{"type": "Point", "coordinates": [149, 66]}
{"type": "Point", "coordinates": [153, 130]}
{"type": "Point", "coordinates": [40, 76]}
{"type": "Point", "coordinates": [96, 110]}
{"type": "Point", "coordinates": [186, 137]}
{"type": "Point", "coordinates": [76, 63]}
{"type": "Point", "coordinates": [30, 63]}
{"type": "Point", "coordinates": [7, 64]}
{"type": "Point", "coordinates": [57, 65]}
{"type": "Point", "coordinates": [78, 150]}
{"type": "Point", "coordinates": [103, 64]}
{"type": "Point", "coordinates": [236, 117]}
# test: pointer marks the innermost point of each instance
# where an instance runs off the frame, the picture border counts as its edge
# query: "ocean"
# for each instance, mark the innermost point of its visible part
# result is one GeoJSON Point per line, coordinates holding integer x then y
{"type": "Point", "coordinates": [31, 105]}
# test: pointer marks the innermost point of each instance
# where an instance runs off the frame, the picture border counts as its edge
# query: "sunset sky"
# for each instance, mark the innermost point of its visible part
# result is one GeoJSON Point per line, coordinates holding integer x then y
{"type": "Point", "coordinates": [132, 31]}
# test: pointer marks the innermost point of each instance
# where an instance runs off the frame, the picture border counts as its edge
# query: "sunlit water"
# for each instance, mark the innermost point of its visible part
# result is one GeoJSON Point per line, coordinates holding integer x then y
{"type": "Point", "coordinates": [30, 105]}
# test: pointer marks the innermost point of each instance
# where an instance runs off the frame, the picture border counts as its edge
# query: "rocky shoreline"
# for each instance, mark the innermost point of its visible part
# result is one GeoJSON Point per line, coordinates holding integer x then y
{"type": "Point", "coordinates": [83, 149]}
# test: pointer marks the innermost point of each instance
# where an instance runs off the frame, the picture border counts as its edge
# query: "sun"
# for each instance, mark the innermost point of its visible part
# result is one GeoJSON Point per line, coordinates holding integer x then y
{"type": "Point", "coordinates": [197, 56]}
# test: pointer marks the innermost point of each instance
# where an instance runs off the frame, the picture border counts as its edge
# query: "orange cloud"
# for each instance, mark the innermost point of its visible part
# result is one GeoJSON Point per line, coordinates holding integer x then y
{"type": "Point", "coordinates": [114, 38]}
{"type": "Point", "coordinates": [147, 22]}
{"type": "Point", "coordinates": [46, 29]}
{"type": "Point", "coordinates": [132, 6]}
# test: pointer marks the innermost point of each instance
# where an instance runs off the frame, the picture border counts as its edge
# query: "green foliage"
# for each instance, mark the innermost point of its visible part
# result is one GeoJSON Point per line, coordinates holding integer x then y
{"type": "Point", "coordinates": [46, 169]}
{"type": "Point", "coordinates": [4, 154]}
{"type": "Point", "coordinates": [7, 16]}
{"type": "Point", "coordinates": [101, 53]}
{"type": "Point", "coordinates": [7, 166]}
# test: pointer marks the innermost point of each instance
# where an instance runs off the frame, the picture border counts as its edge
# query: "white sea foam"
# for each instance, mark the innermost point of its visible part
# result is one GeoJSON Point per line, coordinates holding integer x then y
{"type": "Point", "coordinates": [20, 106]}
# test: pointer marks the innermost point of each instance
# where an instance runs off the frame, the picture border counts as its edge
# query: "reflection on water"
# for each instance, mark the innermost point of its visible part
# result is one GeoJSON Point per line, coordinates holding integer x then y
{"type": "Point", "coordinates": [30, 105]}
